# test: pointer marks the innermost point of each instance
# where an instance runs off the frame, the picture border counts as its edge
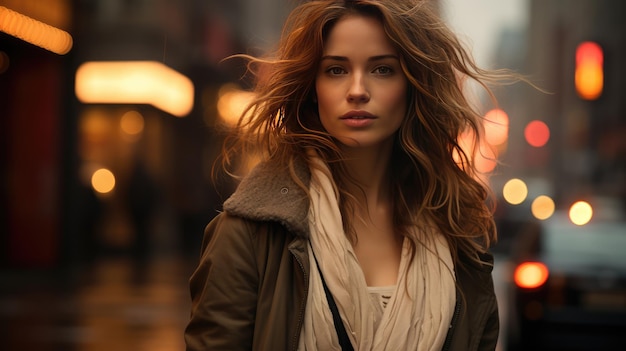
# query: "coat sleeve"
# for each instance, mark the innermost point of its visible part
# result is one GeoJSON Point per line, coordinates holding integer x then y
{"type": "Point", "coordinates": [478, 327]}
{"type": "Point", "coordinates": [489, 339]}
{"type": "Point", "coordinates": [223, 288]}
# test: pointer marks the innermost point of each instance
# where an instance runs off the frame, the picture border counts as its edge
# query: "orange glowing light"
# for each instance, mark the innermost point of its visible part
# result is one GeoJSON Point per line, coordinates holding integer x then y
{"type": "Point", "coordinates": [537, 133]}
{"type": "Point", "coordinates": [132, 123]}
{"type": "Point", "coordinates": [496, 127]}
{"type": "Point", "coordinates": [135, 82]}
{"type": "Point", "coordinates": [232, 102]}
{"type": "Point", "coordinates": [515, 191]}
{"type": "Point", "coordinates": [580, 213]}
{"type": "Point", "coordinates": [103, 181]}
{"type": "Point", "coordinates": [486, 159]}
{"type": "Point", "coordinates": [35, 32]}
{"type": "Point", "coordinates": [589, 75]}
{"type": "Point", "coordinates": [530, 275]}
{"type": "Point", "coordinates": [466, 142]}
{"type": "Point", "coordinates": [542, 207]}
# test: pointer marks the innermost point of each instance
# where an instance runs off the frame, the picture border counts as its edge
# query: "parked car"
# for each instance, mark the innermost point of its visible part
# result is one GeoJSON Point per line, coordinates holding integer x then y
{"type": "Point", "coordinates": [568, 286]}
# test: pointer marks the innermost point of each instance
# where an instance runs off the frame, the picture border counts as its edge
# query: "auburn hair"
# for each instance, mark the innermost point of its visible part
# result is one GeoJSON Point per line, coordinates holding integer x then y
{"type": "Point", "coordinates": [434, 178]}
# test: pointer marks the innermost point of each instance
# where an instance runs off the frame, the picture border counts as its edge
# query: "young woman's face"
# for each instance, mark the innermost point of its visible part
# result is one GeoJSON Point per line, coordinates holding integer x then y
{"type": "Point", "coordinates": [361, 89]}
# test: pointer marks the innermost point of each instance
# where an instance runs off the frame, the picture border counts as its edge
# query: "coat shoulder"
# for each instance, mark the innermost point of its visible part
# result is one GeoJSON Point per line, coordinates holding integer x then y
{"type": "Point", "coordinates": [270, 193]}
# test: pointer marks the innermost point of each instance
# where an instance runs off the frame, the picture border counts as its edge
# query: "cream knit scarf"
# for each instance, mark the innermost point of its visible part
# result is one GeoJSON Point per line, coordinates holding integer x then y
{"type": "Point", "coordinates": [418, 314]}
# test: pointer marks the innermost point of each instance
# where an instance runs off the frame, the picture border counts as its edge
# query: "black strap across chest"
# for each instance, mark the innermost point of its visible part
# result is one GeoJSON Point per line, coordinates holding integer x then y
{"type": "Point", "coordinates": [344, 340]}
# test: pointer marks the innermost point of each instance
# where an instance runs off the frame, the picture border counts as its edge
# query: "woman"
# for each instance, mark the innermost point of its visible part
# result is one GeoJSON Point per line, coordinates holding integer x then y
{"type": "Point", "coordinates": [364, 192]}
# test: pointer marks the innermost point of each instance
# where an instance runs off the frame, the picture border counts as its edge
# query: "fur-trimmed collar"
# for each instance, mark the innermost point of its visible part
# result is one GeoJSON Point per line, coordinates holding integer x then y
{"type": "Point", "coordinates": [269, 194]}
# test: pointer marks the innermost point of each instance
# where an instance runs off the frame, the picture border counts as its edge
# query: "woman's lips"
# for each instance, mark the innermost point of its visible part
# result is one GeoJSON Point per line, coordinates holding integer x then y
{"type": "Point", "coordinates": [357, 119]}
{"type": "Point", "coordinates": [357, 114]}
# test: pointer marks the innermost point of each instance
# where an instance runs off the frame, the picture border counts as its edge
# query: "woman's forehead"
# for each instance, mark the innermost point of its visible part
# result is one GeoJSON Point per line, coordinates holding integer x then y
{"type": "Point", "coordinates": [358, 34]}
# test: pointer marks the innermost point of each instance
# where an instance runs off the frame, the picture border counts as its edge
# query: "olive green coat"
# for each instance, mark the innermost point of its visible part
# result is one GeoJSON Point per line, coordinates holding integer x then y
{"type": "Point", "coordinates": [249, 290]}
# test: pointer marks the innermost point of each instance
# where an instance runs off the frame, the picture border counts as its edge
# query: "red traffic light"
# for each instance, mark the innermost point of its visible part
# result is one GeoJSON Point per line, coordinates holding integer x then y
{"type": "Point", "coordinates": [589, 75]}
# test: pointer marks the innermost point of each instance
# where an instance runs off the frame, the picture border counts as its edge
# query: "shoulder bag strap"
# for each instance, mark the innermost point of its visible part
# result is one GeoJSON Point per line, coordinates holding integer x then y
{"type": "Point", "coordinates": [344, 340]}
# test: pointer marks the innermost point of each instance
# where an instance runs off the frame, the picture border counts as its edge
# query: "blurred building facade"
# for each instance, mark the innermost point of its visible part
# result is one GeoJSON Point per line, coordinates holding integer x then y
{"type": "Point", "coordinates": [585, 156]}
{"type": "Point", "coordinates": [52, 143]}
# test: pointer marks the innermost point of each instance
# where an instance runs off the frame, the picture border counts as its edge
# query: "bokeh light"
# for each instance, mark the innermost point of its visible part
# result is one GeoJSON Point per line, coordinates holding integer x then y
{"type": "Point", "coordinates": [486, 159]}
{"type": "Point", "coordinates": [135, 82]}
{"type": "Point", "coordinates": [515, 191]}
{"type": "Point", "coordinates": [466, 143]}
{"type": "Point", "coordinates": [580, 213]}
{"type": "Point", "coordinates": [232, 102]}
{"type": "Point", "coordinates": [132, 122]}
{"type": "Point", "coordinates": [530, 275]}
{"type": "Point", "coordinates": [35, 32]}
{"type": "Point", "coordinates": [542, 207]}
{"type": "Point", "coordinates": [496, 127]}
{"type": "Point", "coordinates": [537, 133]}
{"type": "Point", "coordinates": [589, 75]}
{"type": "Point", "coordinates": [103, 181]}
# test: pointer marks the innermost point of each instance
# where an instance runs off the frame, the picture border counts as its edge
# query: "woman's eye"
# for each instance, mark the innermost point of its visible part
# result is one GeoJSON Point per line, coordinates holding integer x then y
{"type": "Point", "coordinates": [383, 70]}
{"type": "Point", "coordinates": [335, 70]}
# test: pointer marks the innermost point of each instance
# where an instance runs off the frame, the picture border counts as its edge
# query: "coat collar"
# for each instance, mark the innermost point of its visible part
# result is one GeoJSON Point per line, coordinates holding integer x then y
{"type": "Point", "coordinates": [269, 193]}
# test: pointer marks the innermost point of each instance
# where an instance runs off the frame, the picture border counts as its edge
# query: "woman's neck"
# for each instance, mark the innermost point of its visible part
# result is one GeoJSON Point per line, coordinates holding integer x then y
{"type": "Point", "coordinates": [369, 167]}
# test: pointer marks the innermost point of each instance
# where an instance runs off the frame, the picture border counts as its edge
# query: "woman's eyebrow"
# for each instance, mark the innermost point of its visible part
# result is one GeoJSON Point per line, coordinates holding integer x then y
{"type": "Point", "coordinates": [373, 58]}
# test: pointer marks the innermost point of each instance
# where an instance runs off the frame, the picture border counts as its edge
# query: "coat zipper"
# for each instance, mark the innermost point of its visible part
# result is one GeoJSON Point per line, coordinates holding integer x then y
{"type": "Point", "coordinates": [303, 303]}
{"type": "Point", "coordinates": [453, 323]}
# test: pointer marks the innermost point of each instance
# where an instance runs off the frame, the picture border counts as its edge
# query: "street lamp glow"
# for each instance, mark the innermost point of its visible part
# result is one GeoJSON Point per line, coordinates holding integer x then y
{"type": "Point", "coordinates": [135, 82]}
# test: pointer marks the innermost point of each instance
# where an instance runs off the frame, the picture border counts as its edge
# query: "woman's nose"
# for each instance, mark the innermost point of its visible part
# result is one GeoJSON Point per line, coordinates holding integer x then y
{"type": "Point", "coordinates": [358, 91]}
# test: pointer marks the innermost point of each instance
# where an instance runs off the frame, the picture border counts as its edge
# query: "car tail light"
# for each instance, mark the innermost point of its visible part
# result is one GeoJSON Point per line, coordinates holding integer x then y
{"type": "Point", "coordinates": [530, 275]}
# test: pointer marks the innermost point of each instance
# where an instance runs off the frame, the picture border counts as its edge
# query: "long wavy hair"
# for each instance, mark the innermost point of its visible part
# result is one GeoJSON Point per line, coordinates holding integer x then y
{"type": "Point", "coordinates": [434, 178]}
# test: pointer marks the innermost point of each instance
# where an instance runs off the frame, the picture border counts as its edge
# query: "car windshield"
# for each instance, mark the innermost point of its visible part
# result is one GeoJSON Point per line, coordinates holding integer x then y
{"type": "Point", "coordinates": [602, 243]}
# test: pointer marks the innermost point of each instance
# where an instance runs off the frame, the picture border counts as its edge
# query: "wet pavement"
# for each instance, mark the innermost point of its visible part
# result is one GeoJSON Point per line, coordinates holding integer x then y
{"type": "Point", "coordinates": [114, 304]}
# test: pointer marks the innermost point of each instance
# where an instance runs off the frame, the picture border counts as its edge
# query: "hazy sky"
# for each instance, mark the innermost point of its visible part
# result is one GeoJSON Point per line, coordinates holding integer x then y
{"type": "Point", "coordinates": [478, 22]}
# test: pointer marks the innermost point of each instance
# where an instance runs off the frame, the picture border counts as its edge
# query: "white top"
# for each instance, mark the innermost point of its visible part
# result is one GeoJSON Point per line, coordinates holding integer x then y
{"type": "Point", "coordinates": [382, 294]}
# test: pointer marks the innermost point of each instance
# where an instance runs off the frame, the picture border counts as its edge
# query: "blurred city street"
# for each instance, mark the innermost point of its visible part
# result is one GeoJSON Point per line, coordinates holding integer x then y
{"type": "Point", "coordinates": [104, 193]}
{"type": "Point", "coordinates": [115, 304]}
